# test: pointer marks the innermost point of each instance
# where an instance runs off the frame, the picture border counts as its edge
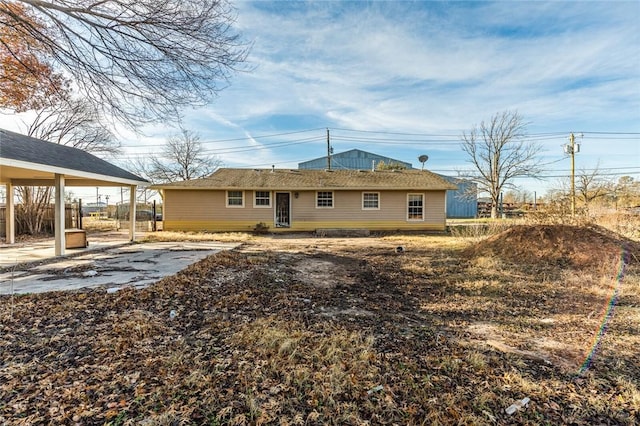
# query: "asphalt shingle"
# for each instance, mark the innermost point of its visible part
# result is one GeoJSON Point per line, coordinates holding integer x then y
{"type": "Point", "coordinates": [299, 179]}
{"type": "Point", "coordinates": [19, 147]}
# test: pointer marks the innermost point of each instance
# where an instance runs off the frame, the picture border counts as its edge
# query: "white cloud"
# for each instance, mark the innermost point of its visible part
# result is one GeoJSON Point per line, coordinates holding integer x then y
{"type": "Point", "coordinates": [426, 67]}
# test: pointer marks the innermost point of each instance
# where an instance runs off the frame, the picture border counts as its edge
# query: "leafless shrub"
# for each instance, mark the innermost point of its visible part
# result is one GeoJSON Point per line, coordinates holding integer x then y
{"type": "Point", "coordinates": [479, 231]}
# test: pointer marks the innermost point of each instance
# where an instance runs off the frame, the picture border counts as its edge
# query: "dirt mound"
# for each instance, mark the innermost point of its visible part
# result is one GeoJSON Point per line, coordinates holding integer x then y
{"type": "Point", "coordinates": [562, 245]}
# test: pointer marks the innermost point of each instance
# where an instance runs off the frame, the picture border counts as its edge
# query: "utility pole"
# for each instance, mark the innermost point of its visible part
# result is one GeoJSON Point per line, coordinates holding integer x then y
{"type": "Point", "coordinates": [328, 151]}
{"type": "Point", "coordinates": [572, 140]}
{"type": "Point", "coordinates": [572, 148]}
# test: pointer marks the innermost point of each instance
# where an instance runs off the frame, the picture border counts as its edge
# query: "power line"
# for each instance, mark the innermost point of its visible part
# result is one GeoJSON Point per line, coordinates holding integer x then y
{"type": "Point", "coordinates": [423, 137]}
{"type": "Point", "coordinates": [246, 138]}
{"type": "Point", "coordinates": [231, 150]}
{"type": "Point", "coordinates": [371, 137]}
{"type": "Point", "coordinates": [273, 135]}
{"type": "Point", "coordinates": [630, 169]}
{"type": "Point", "coordinates": [610, 133]}
{"type": "Point", "coordinates": [543, 134]}
{"type": "Point", "coordinates": [541, 177]}
{"type": "Point", "coordinates": [394, 133]}
{"type": "Point", "coordinates": [263, 146]}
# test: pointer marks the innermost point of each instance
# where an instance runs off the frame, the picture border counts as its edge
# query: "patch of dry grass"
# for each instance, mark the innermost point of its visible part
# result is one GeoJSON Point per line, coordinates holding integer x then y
{"type": "Point", "coordinates": [422, 241]}
{"type": "Point", "coordinates": [477, 230]}
{"type": "Point", "coordinates": [624, 223]}
{"type": "Point", "coordinates": [446, 339]}
{"type": "Point", "coordinates": [92, 224]}
{"type": "Point", "coordinates": [162, 236]}
{"type": "Point", "coordinates": [326, 370]}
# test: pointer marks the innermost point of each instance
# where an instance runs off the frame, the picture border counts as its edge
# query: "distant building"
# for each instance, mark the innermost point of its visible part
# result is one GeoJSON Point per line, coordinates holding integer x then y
{"type": "Point", "coordinates": [353, 159]}
{"type": "Point", "coordinates": [94, 207]}
{"type": "Point", "coordinates": [461, 203]}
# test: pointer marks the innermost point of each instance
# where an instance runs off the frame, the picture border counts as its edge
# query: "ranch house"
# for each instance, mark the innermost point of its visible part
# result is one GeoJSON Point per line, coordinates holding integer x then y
{"type": "Point", "coordinates": [306, 200]}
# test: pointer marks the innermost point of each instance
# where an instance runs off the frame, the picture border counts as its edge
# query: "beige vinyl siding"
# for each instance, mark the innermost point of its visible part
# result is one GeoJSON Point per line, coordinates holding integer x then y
{"type": "Point", "coordinates": [203, 205]}
{"type": "Point", "coordinates": [347, 207]}
{"type": "Point", "coordinates": [434, 207]}
{"type": "Point", "coordinates": [206, 210]}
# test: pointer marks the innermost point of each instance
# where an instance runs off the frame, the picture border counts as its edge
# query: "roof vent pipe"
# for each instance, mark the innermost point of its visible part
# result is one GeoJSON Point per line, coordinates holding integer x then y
{"type": "Point", "coordinates": [273, 168]}
{"type": "Point", "coordinates": [373, 165]}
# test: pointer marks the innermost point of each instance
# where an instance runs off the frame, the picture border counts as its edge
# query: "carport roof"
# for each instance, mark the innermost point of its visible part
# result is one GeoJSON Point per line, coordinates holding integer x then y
{"type": "Point", "coordinates": [30, 161]}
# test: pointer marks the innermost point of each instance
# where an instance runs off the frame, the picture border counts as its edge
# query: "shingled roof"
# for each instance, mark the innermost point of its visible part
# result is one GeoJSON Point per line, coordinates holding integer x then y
{"type": "Point", "coordinates": [20, 151]}
{"type": "Point", "coordinates": [299, 179]}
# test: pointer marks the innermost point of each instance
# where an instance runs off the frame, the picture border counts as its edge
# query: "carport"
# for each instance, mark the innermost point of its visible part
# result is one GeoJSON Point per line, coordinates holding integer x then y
{"type": "Point", "coordinates": [27, 161]}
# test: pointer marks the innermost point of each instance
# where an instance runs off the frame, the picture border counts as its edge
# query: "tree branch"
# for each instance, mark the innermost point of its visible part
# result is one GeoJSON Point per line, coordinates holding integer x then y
{"type": "Point", "coordinates": [142, 60]}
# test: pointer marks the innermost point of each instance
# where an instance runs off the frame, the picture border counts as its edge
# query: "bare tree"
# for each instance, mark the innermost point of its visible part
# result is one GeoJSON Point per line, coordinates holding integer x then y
{"type": "Point", "coordinates": [138, 60]}
{"type": "Point", "coordinates": [590, 186]}
{"type": "Point", "coordinates": [32, 210]}
{"type": "Point", "coordinates": [625, 192]}
{"type": "Point", "coordinates": [499, 152]}
{"type": "Point", "coordinates": [182, 158]}
{"type": "Point", "coordinates": [517, 195]}
{"type": "Point", "coordinates": [74, 123]}
{"type": "Point", "coordinates": [67, 122]}
{"type": "Point", "coordinates": [511, 196]}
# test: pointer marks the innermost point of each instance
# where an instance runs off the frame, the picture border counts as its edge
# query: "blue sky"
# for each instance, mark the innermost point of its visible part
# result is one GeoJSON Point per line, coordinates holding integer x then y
{"type": "Point", "coordinates": [405, 78]}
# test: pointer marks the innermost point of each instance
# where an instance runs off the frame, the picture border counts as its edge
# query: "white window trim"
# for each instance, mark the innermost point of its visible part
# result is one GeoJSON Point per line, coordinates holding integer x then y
{"type": "Point", "coordinates": [333, 200]}
{"type": "Point", "coordinates": [233, 206]}
{"type": "Point", "coordinates": [262, 207]}
{"type": "Point", "coordinates": [370, 208]}
{"type": "Point", "coordinates": [423, 207]}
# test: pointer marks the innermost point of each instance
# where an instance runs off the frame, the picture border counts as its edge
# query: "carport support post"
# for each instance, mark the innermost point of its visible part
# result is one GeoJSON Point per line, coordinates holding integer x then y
{"type": "Point", "coordinates": [59, 215]}
{"type": "Point", "coordinates": [132, 212]}
{"type": "Point", "coordinates": [10, 215]}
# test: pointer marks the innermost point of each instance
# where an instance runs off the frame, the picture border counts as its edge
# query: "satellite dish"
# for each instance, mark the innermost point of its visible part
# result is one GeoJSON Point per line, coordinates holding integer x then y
{"type": "Point", "coordinates": [423, 159]}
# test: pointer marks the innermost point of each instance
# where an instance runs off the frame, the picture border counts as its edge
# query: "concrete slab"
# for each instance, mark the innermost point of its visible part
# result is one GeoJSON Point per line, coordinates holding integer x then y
{"type": "Point", "coordinates": [136, 265]}
{"type": "Point", "coordinates": [43, 250]}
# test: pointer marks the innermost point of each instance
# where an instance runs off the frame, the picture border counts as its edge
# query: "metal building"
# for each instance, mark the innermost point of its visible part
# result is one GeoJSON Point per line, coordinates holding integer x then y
{"type": "Point", "coordinates": [460, 204]}
{"type": "Point", "coordinates": [353, 159]}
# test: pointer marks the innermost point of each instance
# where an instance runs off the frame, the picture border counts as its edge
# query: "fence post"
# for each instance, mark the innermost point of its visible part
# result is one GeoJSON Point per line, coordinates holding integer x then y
{"type": "Point", "coordinates": [153, 212]}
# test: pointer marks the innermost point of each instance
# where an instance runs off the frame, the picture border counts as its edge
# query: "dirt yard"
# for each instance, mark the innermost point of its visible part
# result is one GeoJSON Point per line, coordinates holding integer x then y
{"type": "Point", "coordinates": [536, 325]}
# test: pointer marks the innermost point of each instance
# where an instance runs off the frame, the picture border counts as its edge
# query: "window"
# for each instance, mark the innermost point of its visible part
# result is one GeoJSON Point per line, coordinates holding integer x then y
{"type": "Point", "coordinates": [415, 207]}
{"type": "Point", "coordinates": [370, 201]}
{"type": "Point", "coordinates": [262, 199]}
{"type": "Point", "coordinates": [235, 199]}
{"type": "Point", "coordinates": [324, 199]}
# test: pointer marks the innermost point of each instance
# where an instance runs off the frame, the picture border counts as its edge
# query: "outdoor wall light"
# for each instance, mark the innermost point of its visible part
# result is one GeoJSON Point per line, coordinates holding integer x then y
{"type": "Point", "coordinates": [295, 194]}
